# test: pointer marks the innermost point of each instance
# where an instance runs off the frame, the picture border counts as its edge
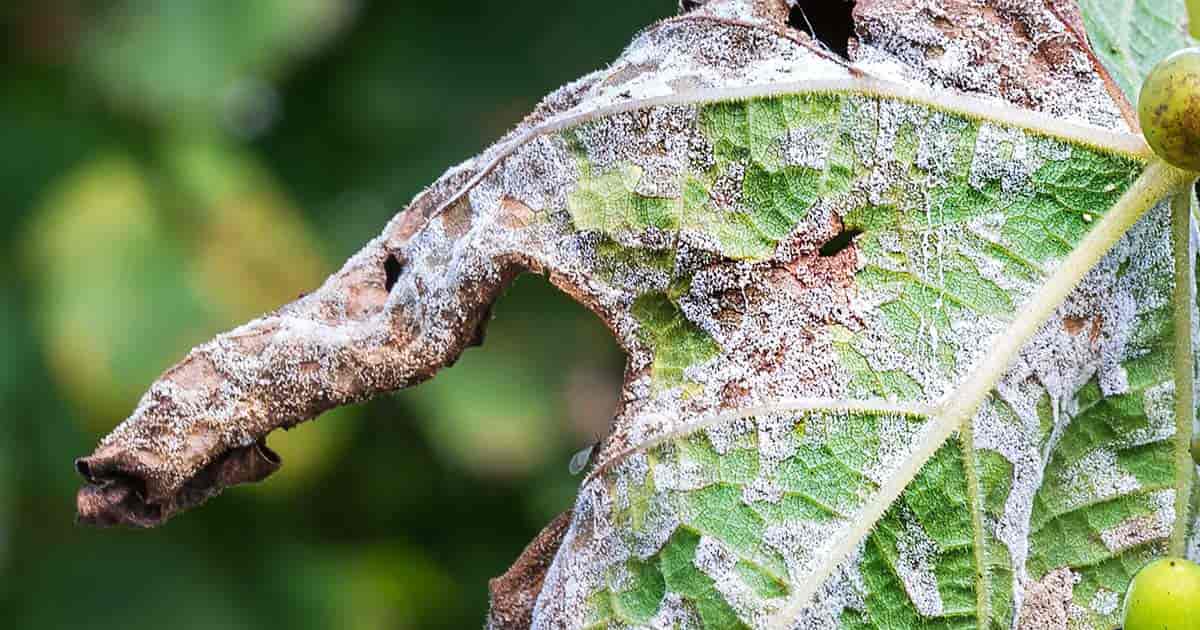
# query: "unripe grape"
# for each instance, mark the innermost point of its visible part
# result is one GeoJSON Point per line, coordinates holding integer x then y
{"type": "Point", "coordinates": [1164, 595]}
{"type": "Point", "coordinates": [1169, 109]}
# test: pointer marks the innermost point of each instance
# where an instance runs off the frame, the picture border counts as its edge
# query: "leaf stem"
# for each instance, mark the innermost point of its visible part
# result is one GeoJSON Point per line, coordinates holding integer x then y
{"type": "Point", "coordinates": [798, 405]}
{"type": "Point", "coordinates": [1185, 408]}
{"type": "Point", "coordinates": [1157, 182]}
{"type": "Point", "coordinates": [949, 101]}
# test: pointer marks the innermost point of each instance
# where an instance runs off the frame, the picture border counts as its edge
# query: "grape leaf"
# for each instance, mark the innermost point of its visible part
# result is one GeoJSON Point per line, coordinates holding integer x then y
{"type": "Point", "coordinates": [910, 337]}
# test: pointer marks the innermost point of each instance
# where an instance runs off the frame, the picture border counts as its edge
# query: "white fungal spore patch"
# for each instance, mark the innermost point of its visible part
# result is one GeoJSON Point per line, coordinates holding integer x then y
{"type": "Point", "coordinates": [914, 566]}
{"type": "Point", "coordinates": [1096, 477]}
{"type": "Point", "coordinates": [758, 223]}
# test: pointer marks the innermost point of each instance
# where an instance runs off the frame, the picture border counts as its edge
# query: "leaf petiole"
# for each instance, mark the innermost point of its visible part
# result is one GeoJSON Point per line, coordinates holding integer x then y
{"type": "Point", "coordinates": [1184, 301]}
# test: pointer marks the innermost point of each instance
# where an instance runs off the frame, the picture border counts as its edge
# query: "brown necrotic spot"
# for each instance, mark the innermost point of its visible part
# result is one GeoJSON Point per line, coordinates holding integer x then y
{"type": "Point", "coordinates": [195, 372]}
{"type": "Point", "coordinates": [457, 218]}
{"type": "Point", "coordinates": [514, 214]}
{"type": "Point", "coordinates": [1074, 325]}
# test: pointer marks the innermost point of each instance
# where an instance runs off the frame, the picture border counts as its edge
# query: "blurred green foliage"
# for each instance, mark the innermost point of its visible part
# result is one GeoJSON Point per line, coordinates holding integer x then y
{"type": "Point", "coordinates": [172, 168]}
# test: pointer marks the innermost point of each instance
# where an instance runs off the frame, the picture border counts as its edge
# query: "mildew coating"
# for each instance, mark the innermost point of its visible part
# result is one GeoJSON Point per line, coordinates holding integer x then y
{"type": "Point", "coordinates": [853, 253]}
{"type": "Point", "coordinates": [1028, 52]}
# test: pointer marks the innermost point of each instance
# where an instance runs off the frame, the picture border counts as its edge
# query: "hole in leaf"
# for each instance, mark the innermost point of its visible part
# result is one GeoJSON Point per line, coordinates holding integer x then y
{"type": "Point", "coordinates": [828, 21]}
{"type": "Point", "coordinates": [83, 468]}
{"type": "Point", "coordinates": [391, 271]}
{"type": "Point", "coordinates": [844, 239]}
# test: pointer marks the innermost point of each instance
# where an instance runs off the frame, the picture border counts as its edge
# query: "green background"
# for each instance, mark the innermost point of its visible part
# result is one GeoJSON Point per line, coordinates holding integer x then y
{"type": "Point", "coordinates": [173, 168]}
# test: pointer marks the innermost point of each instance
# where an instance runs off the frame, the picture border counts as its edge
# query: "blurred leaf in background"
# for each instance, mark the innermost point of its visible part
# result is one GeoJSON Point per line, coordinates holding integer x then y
{"type": "Point", "coordinates": [8, 381]}
{"type": "Point", "coordinates": [545, 384]}
{"type": "Point", "coordinates": [204, 63]}
{"type": "Point", "coordinates": [387, 586]}
{"type": "Point", "coordinates": [174, 168]}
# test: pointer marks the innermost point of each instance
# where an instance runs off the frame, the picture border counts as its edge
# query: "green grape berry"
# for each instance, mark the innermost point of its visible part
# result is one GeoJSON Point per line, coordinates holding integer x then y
{"type": "Point", "coordinates": [1164, 595]}
{"type": "Point", "coordinates": [1169, 109]}
{"type": "Point", "coordinates": [1196, 451]}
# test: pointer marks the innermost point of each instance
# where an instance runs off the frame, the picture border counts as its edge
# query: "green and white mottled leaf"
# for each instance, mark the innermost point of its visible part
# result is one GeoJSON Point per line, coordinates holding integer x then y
{"type": "Point", "coordinates": [911, 338]}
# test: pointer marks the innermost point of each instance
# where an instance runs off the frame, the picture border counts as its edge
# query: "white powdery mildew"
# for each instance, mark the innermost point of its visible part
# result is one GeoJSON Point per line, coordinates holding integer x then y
{"type": "Point", "coordinates": [1158, 403]}
{"type": "Point", "coordinates": [804, 544]}
{"type": "Point", "coordinates": [631, 472]}
{"type": "Point", "coordinates": [1148, 257]}
{"type": "Point", "coordinates": [663, 142]}
{"type": "Point", "coordinates": [538, 173]}
{"type": "Point", "coordinates": [806, 146]}
{"type": "Point", "coordinates": [734, 303]}
{"type": "Point", "coordinates": [916, 554]}
{"type": "Point", "coordinates": [894, 118]}
{"type": "Point", "coordinates": [778, 435]}
{"type": "Point", "coordinates": [1058, 363]}
{"type": "Point", "coordinates": [682, 55]}
{"type": "Point", "coordinates": [1020, 446]}
{"type": "Point", "coordinates": [675, 614]}
{"type": "Point", "coordinates": [1192, 549]}
{"type": "Point", "coordinates": [681, 475]}
{"type": "Point", "coordinates": [764, 488]}
{"type": "Point", "coordinates": [897, 436]}
{"type": "Point", "coordinates": [725, 436]}
{"type": "Point", "coordinates": [1096, 477]}
{"type": "Point", "coordinates": [590, 549]}
{"type": "Point", "coordinates": [844, 590]}
{"type": "Point", "coordinates": [910, 44]}
{"type": "Point", "coordinates": [659, 519]}
{"type": "Point", "coordinates": [1105, 602]}
{"type": "Point", "coordinates": [718, 561]}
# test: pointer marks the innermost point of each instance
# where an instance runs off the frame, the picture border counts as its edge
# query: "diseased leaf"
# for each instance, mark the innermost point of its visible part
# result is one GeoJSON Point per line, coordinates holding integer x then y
{"type": "Point", "coordinates": [910, 340]}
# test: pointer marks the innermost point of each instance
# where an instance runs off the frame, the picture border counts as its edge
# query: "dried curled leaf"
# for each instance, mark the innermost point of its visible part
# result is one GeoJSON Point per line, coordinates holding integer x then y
{"type": "Point", "coordinates": [910, 339]}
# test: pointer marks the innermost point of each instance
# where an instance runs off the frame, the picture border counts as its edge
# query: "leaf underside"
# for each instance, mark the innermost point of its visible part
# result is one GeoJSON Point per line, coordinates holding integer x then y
{"type": "Point", "coordinates": [1067, 470]}
{"type": "Point", "coordinates": [856, 395]}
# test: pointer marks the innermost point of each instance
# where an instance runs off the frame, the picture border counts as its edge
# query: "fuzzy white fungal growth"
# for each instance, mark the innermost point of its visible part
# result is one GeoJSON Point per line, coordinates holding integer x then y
{"type": "Point", "coordinates": [932, 291]}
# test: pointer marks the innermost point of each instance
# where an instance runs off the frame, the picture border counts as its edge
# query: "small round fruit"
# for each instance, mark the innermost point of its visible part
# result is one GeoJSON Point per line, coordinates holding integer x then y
{"type": "Point", "coordinates": [1164, 595]}
{"type": "Point", "coordinates": [1169, 109]}
{"type": "Point", "coordinates": [1196, 451]}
